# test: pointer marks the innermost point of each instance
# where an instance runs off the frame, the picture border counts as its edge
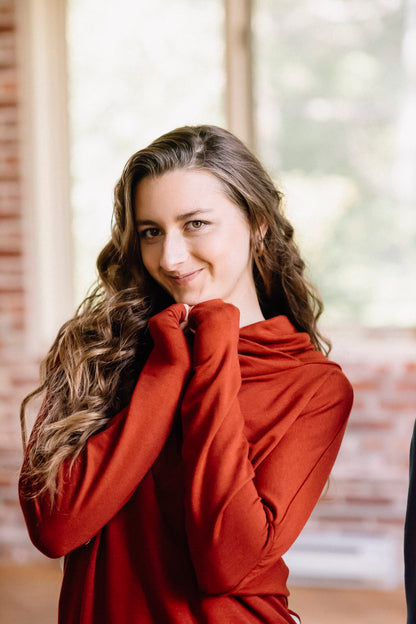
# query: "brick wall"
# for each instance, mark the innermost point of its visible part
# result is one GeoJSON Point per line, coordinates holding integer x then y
{"type": "Point", "coordinates": [367, 491]}
{"type": "Point", "coordinates": [17, 373]}
{"type": "Point", "coordinates": [370, 479]}
{"type": "Point", "coordinates": [368, 488]}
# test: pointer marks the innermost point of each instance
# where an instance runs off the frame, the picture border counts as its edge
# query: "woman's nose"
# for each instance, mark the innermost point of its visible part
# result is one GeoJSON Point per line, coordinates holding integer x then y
{"type": "Point", "coordinates": [174, 252]}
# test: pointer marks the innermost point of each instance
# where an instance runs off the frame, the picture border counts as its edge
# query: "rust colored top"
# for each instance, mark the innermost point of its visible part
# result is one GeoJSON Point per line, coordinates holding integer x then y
{"type": "Point", "coordinates": [179, 512]}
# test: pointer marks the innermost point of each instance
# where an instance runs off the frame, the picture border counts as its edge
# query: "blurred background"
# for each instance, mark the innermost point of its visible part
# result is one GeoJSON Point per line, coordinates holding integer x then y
{"type": "Point", "coordinates": [324, 92]}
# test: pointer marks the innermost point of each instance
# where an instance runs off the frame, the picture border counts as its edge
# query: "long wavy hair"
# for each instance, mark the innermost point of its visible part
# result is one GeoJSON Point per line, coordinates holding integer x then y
{"type": "Point", "coordinates": [92, 367]}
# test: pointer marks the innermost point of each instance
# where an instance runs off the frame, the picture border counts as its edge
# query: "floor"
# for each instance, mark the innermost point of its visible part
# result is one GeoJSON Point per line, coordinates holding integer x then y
{"type": "Point", "coordinates": [29, 594]}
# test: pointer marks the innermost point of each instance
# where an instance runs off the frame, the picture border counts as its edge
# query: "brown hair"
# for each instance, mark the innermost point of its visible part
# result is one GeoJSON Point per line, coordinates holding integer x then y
{"type": "Point", "coordinates": [90, 370]}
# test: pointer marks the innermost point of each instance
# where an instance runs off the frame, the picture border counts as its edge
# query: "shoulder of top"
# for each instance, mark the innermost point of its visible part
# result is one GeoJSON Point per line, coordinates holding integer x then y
{"type": "Point", "coordinates": [338, 386]}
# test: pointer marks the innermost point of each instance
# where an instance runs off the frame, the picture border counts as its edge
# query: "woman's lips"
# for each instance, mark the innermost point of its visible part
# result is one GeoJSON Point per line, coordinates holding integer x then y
{"type": "Point", "coordinates": [184, 278]}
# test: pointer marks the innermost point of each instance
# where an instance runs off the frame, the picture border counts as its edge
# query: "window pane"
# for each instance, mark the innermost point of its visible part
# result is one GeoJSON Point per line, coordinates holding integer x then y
{"type": "Point", "coordinates": [336, 124]}
{"type": "Point", "coordinates": [137, 69]}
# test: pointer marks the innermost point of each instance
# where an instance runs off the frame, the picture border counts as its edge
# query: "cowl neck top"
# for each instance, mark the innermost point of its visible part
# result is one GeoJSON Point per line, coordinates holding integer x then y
{"type": "Point", "coordinates": [181, 510]}
{"type": "Point", "coordinates": [275, 342]}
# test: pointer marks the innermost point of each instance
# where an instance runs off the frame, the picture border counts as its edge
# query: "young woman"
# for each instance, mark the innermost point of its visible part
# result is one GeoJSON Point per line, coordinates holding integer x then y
{"type": "Point", "coordinates": [190, 419]}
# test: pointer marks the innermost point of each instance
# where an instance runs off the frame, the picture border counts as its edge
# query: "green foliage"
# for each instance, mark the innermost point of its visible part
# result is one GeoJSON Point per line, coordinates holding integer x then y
{"type": "Point", "coordinates": [331, 87]}
{"type": "Point", "coordinates": [335, 120]}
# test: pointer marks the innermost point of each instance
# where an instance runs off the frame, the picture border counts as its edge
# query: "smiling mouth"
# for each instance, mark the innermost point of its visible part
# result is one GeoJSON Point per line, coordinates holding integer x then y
{"type": "Point", "coordinates": [185, 278]}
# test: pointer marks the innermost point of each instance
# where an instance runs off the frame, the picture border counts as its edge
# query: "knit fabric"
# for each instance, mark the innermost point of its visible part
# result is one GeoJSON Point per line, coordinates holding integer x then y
{"type": "Point", "coordinates": [181, 509]}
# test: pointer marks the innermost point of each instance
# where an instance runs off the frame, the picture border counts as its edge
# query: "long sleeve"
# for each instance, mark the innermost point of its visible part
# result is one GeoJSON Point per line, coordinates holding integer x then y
{"type": "Point", "coordinates": [114, 461]}
{"type": "Point", "coordinates": [240, 520]}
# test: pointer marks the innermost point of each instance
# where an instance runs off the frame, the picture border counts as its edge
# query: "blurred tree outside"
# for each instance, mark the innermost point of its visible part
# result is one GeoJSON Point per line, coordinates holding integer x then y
{"type": "Point", "coordinates": [335, 92]}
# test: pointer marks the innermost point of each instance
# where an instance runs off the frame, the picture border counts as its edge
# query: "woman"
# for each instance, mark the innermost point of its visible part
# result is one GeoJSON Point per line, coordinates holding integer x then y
{"type": "Point", "coordinates": [190, 420]}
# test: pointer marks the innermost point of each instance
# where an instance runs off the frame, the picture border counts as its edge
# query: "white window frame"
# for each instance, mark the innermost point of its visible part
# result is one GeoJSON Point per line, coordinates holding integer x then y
{"type": "Point", "coordinates": [45, 168]}
{"type": "Point", "coordinates": [239, 69]}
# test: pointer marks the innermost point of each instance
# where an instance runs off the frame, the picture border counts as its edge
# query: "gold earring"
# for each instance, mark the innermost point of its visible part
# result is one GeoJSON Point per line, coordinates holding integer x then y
{"type": "Point", "coordinates": [259, 249]}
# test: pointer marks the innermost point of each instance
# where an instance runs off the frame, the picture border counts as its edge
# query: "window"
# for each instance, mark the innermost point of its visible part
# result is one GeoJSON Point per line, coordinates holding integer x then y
{"type": "Point", "coordinates": [336, 125]}
{"type": "Point", "coordinates": [334, 122]}
{"type": "Point", "coordinates": [137, 69]}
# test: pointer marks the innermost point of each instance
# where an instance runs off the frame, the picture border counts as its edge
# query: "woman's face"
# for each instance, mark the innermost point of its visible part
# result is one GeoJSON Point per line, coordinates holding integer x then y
{"type": "Point", "coordinates": [194, 241]}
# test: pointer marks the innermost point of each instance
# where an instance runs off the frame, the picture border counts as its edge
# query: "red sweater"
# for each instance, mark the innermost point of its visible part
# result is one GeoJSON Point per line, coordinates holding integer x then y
{"type": "Point", "coordinates": [179, 512]}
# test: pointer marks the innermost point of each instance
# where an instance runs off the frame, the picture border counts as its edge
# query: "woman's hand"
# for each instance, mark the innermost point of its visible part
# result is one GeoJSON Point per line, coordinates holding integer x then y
{"type": "Point", "coordinates": [97, 485]}
{"type": "Point", "coordinates": [215, 324]}
{"type": "Point", "coordinates": [166, 331]}
{"type": "Point", "coordinates": [215, 314]}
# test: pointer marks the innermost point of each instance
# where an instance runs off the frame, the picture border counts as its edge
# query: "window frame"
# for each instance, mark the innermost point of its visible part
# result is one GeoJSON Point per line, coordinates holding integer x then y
{"type": "Point", "coordinates": [45, 168]}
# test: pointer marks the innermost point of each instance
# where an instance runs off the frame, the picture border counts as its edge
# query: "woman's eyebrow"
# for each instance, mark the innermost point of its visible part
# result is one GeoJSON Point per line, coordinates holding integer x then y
{"type": "Point", "coordinates": [181, 217]}
{"type": "Point", "coordinates": [145, 222]}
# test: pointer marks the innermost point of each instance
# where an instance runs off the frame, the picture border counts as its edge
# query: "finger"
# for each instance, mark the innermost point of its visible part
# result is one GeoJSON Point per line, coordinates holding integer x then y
{"type": "Point", "coordinates": [188, 309]}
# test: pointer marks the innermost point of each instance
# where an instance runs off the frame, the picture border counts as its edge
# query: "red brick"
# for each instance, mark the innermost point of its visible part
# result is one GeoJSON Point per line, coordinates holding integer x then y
{"type": "Point", "coordinates": [8, 125]}
{"type": "Point", "coordinates": [7, 17]}
{"type": "Point", "coordinates": [374, 500]}
{"type": "Point", "coordinates": [370, 425]}
{"type": "Point", "coordinates": [10, 285]}
{"type": "Point", "coordinates": [399, 406]}
{"type": "Point", "coordinates": [397, 521]}
{"type": "Point", "coordinates": [9, 163]}
{"type": "Point", "coordinates": [343, 520]}
{"type": "Point", "coordinates": [359, 404]}
{"type": "Point", "coordinates": [9, 256]}
{"type": "Point", "coordinates": [373, 444]}
{"type": "Point", "coordinates": [406, 384]}
{"type": "Point", "coordinates": [11, 241]}
{"type": "Point", "coordinates": [7, 49]}
{"type": "Point", "coordinates": [9, 191]}
{"type": "Point", "coordinates": [8, 87]}
{"type": "Point", "coordinates": [11, 303]}
{"type": "Point", "coordinates": [367, 384]}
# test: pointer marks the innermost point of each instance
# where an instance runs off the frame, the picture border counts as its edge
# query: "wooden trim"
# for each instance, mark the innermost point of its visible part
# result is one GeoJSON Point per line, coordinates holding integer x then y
{"type": "Point", "coordinates": [239, 69]}
{"type": "Point", "coordinates": [45, 171]}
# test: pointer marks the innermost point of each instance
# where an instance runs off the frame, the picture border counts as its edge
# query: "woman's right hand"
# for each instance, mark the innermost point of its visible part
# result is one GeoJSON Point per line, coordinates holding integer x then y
{"type": "Point", "coordinates": [93, 488]}
{"type": "Point", "coordinates": [166, 329]}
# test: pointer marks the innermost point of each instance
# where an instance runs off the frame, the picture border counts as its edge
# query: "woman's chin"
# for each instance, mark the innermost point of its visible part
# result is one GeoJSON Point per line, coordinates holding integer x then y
{"type": "Point", "coordinates": [192, 300]}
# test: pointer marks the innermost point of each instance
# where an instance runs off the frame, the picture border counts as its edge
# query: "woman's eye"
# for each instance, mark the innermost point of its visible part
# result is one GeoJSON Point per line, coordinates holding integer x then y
{"type": "Point", "coordinates": [196, 225]}
{"type": "Point", "coordinates": [149, 233]}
